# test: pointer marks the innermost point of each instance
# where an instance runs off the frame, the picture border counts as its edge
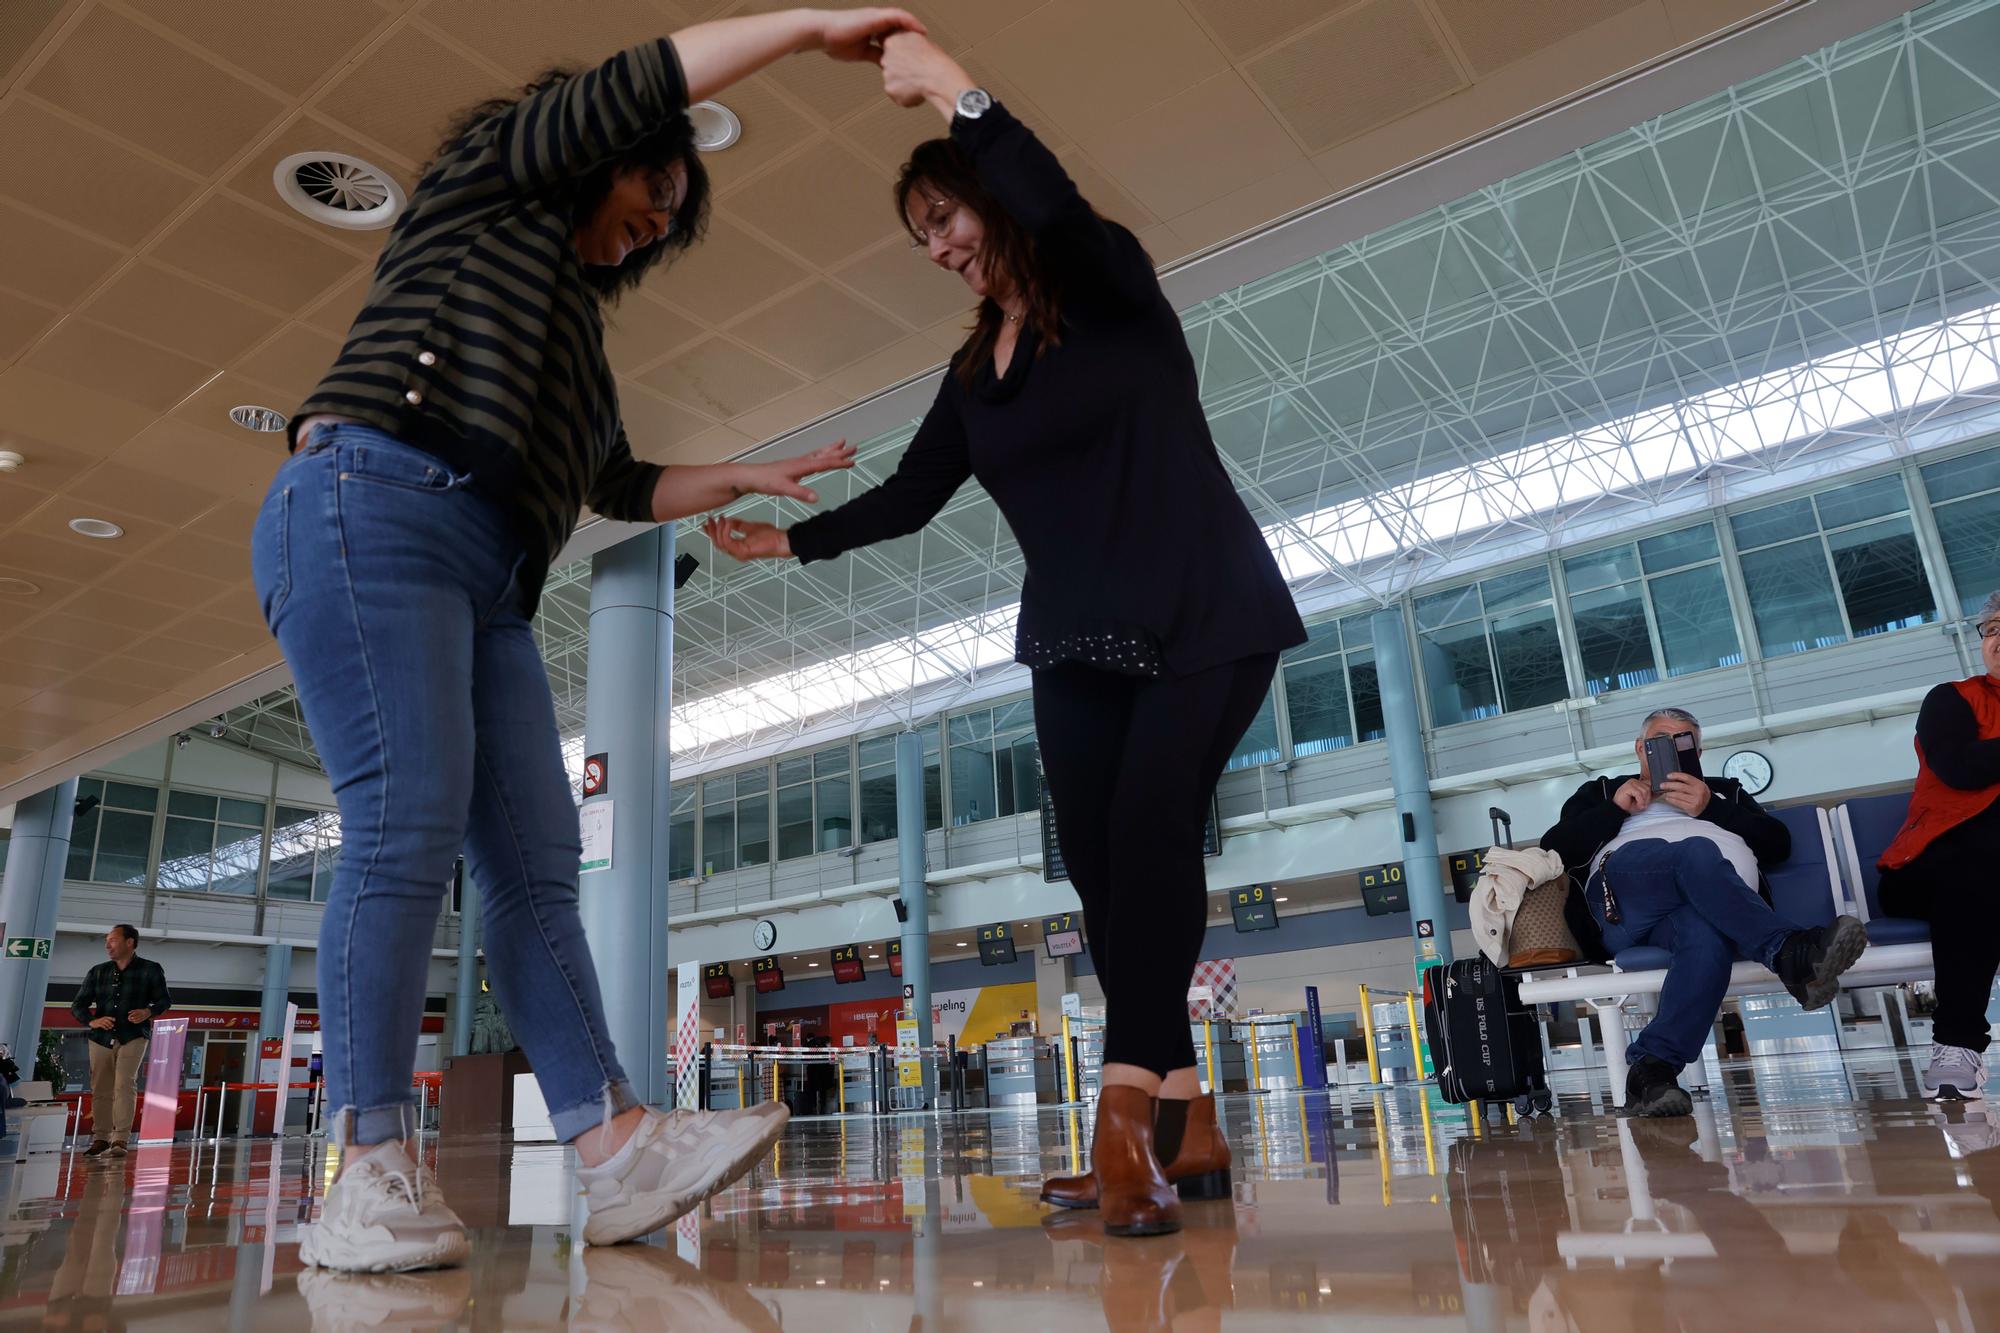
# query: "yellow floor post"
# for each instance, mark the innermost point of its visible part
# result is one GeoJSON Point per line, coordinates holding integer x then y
{"type": "Point", "coordinates": [1417, 1051]}
{"type": "Point", "coordinates": [1298, 1063]}
{"type": "Point", "coordinates": [1430, 1143]}
{"type": "Point", "coordinates": [1256, 1062]}
{"type": "Point", "coordinates": [739, 1086]}
{"type": "Point", "coordinates": [1472, 1115]}
{"type": "Point", "coordinates": [839, 1086]}
{"type": "Point", "coordinates": [1368, 1036]}
{"type": "Point", "coordinates": [1069, 1062]}
{"type": "Point", "coordinates": [1382, 1146]}
{"type": "Point", "coordinates": [1208, 1041]}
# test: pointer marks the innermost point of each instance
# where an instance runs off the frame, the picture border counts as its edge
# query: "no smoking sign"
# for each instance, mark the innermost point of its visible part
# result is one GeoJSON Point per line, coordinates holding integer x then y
{"type": "Point", "coordinates": [596, 774]}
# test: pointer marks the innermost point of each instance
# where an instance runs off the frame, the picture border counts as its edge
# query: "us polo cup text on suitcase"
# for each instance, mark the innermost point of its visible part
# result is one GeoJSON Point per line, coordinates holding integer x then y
{"type": "Point", "coordinates": [1483, 1041]}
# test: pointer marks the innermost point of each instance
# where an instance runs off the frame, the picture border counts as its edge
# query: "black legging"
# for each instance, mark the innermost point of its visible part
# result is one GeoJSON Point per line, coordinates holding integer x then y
{"type": "Point", "coordinates": [1948, 886]}
{"type": "Point", "coordinates": [1131, 763]}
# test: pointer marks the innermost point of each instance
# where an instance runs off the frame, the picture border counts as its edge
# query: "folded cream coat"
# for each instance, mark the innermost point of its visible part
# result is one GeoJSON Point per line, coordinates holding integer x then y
{"type": "Point", "coordinates": [1505, 881]}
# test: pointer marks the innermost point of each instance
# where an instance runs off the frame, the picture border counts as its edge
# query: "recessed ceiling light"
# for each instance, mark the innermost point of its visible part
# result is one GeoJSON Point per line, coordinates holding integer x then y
{"type": "Point", "coordinates": [10, 587]}
{"type": "Point", "coordinates": [963, 945]}
{"type": "Point", "coordinates": [339, 190]}
{"type": "Point", "coordinates": [102, 529]}
{"type": "Point", "coordinates": [812, 964]}
{"type": "Point", "coordinates": [262, 419]}
{"type": "Point", "coordinates": [715, 126]}
{"type": "Point", "coordinates": [10, 461]}
{"type": "Point", "coordinates": [1284, 900]}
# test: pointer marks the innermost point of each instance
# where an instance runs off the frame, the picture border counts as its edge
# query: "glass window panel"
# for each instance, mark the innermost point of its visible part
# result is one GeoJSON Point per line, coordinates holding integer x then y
{"type": "Point", "coordinates": [933, 795]}
{"type": "Point", "coordinates": [1697, 630]}
{"type": "Point", "coordinates": [681, 797]}
{"type": "Point", "coordinates": [1530, 657]}
{"type": "Point", "coordinates": [831, 761]}
{"type": "Point", "coordinates": [878, 806]}
{"type": "Point", "coordinates": [836, 813]}
{"type": "Point", "coordinates": [972, 798]}
{"type": "Point", "coordinates": [1862, 501]}
{"type": "Point", "coordinates": [717, 790]}
{"type": "Point", "coordinates": [718, 839]}
{"type": "Point", "coordinates": [247, 813]}
{"type": "Point", "coordinates": [1611, 639]}
{"type": "Point", "coordinates": [1970, 531]}
{"type": "Point", "coordinates": [325, 862]}
{"type": "Point", "coordinates": [1459, 674]}
{"type": "Point", "coordinates": [1020, 775]}
{"type": "Point", "coordinates": [291, 878]}
{"type": "Point", "coordinates": [191, 804]}
{"type": "Point", "coordinates": [795, 770]}
{"type": "Point", "coordinates": [680, 845]}
{"type": "Point", "coordinates": [1010, 717]}
{"type": "Point", "coordinates": [1260, 743]}
{"type": "Point", "coordinates": [131, 796]}
{"type": "Point", "coordinates": [1510, 592]}
{"type": "Point", "coordinates": [1963, 476]}
{"type": "Point", "coordinates": [1321, 639]}
{"type": "Point", "coordinates": [1358, 631]}
{"type": "Point", "coordinates": [90, 787]}
{"type": "Point", "coordinates": [82, 844]}
{"type": "Point", "coordinates": [753, 831]}
{"type": "Point", "coordinates": [1671, 550]}
{"type": "Point", "coordinates": [1447, 608]}
{"type": "Point", "coordinates": [1882, 578]}
{"type": "Point", "coordinates": [877, 750]}
{"type": "Point", "coordinates": [795, 822]}
{"type": "Point", "coordinates": [185, 848]}
{"type": "Point", "coordinates": [1791, 598]}
{"type": "Point", "coordinates": [122, 843]}
{"type": "Point", "coordinates": [1364, 684]}
{"type": "Point", "coordinates": [1316, 706]}
{"type": "Point", "coordinates": [237, 853]}
{"type": "Point", "coordinates": [1773, 523]}
{"type": "Point", "coordinates": [1598, 569]}
{"type": "Point", "coordinates": [752, 781]}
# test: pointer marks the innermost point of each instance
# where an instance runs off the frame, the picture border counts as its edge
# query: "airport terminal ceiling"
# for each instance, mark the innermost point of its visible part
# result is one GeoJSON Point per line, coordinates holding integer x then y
{"type": "Point", "coordinates": [1405, 392]}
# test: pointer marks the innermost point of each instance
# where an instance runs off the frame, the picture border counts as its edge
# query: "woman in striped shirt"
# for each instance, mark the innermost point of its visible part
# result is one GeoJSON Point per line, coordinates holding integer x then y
{"type": "Point", "coordinates": [438, 468]}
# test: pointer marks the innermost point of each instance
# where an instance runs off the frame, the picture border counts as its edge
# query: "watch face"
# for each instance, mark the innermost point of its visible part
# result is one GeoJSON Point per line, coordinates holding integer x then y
{"type": "Point", "coordinates": [1751, 769]}
{"type": "Point", "coordinates": [766, 936]}
{"type": "Point", "coordinates": [973, 103]}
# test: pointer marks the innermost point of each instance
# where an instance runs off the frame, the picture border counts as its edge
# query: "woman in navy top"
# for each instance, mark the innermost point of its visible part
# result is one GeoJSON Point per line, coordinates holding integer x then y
{"type": "Point", "coordinates": [1152, 611]}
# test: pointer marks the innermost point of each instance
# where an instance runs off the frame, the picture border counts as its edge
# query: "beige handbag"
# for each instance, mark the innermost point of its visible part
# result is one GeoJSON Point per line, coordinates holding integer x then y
{"type": "Point", "coordinates": [1541, 937]}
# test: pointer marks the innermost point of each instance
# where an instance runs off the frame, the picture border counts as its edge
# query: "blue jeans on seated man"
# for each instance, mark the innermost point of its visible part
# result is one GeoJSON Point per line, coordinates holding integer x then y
{"type": "Point", "coordinates": [391, 585]}
{"type": "Point", "coordinates": [1686, 898]}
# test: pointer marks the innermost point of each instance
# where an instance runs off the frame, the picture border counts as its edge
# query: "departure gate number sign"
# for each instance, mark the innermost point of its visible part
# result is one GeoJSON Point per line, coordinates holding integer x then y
{"type": "Point", "coordinates": [1062, 935]}
{"type": "Point", "coordinates": [1255, 908]}
{"type": "Point", "coordinates": [996, 945]}
{"type": "Point", "coordinates": [1383, 892]}
{"type": "Point", "coordinates": [717, 981]}
{"type": "Point", "coordinates": [769, 975]}
{"type": "Point", "coordinates": [847, 964]}
{"type": "Point", "coordinates": [1465, 871]}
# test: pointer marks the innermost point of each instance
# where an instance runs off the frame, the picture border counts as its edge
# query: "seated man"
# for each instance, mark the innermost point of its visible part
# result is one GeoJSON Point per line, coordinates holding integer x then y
{"type": "Point", "coordinates": [1940, 867]}
{"type": "Point", "coordinates": [1680, 871]}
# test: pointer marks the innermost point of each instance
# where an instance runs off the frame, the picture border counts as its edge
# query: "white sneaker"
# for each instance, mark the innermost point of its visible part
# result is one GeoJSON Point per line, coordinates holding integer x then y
{"type": "Point", "coordinates": [1955, 1074]}
{"type": "Point", "coordinates": [341, 1302]}
{"type": "Point", "coordinates": [670, 1164]}
{"type": "Point", "coordinates": [384, 1215]}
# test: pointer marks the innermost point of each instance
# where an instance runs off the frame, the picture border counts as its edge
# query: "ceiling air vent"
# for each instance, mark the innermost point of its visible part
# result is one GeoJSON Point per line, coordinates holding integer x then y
{"type": "Point", "coordinates": [339, 190]}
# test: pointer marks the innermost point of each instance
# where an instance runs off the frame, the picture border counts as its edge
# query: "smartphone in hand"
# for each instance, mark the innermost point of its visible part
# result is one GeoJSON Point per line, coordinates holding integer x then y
{"type": "Point", "coordinates": [1662, 761]}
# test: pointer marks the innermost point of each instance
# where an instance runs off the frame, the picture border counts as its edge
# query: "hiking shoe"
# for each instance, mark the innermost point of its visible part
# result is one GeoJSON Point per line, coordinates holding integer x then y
{"type": "Point", "coordinates": [1810, 962]}
{"type": "Point", "coordinates": [384, 1215]}
{"type": "Point", "coordinates": [1956, 1075]}
{"type": "Point", "coordinates": [672, 1162]}
{"type": "Point", "coordinates": [98, 1148]}
{"type": "Point", "coordinates": [1651, 1090]}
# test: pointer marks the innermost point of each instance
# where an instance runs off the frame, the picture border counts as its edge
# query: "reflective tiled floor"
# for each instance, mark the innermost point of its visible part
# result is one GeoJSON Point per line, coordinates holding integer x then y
{"type": "Point", "coordinates": [1808, 1192]}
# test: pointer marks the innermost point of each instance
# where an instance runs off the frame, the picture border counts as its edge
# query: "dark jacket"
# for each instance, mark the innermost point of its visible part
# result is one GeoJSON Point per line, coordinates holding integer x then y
{"type": "Point", "coordinates": [1591, 818]}
{"type": "Point", "coordinates": [1095, 449]}
{"type": "Point", "coordinates": [107, 992]}
{"type": "Point", "coordinates": [479, 339]}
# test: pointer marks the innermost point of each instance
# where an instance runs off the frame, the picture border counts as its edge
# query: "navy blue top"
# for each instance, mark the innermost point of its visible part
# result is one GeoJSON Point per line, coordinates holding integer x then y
{"type": "Point", "coordinates": [1096, 450]}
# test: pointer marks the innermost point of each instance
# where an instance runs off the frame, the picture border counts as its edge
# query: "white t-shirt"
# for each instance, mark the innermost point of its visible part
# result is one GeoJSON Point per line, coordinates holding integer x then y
{"type": "Point", "coordinates": [1660, 820]}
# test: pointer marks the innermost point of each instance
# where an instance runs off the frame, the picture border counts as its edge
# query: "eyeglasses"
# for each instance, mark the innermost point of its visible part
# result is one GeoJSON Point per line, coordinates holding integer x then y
{"type": "Point", "coordinates": [939, 220]}
{"type": "Point", "coordinates": [663, 194]}
{"type": "Point", "coordinates": [1991, 630]}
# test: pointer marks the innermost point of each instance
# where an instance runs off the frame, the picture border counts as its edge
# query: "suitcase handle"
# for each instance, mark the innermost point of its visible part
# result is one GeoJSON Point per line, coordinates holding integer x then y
{"type": "Point", "coordinates": [1501, 818]}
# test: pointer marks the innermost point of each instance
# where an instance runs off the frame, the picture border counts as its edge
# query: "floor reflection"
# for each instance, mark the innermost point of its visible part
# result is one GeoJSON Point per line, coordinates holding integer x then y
{"type": "Point", "coordinates": [1804, 1189]}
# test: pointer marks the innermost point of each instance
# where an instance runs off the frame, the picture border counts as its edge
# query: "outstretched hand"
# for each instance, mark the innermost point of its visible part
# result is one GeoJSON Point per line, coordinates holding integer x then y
{"type": "Point", "coordinates": [860, 34]}
{"type": "Point", "coordinates": [916, 70]}
{"type": "Point", "coordinates": [748, 540]}
{"type": "Point", "coordinates": [786, 476]}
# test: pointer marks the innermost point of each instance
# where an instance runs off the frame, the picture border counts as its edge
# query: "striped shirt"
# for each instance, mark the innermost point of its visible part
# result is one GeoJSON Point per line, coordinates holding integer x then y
{"type": "Point", "coordinates": [480, 341]}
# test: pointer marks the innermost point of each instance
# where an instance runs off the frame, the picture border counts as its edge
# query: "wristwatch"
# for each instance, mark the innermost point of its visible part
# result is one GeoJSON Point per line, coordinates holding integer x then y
{"type": "Point", "coordinates": [974, 103]}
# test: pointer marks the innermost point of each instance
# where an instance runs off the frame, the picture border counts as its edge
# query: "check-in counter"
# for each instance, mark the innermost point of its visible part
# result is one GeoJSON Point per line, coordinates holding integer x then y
{"type": "Point", "coordinates": [1020, 1071]}
{"type": "Point", "coordinates": [1230, 1074]}
{"type": "Point", "coordinates": [1270, 1051]}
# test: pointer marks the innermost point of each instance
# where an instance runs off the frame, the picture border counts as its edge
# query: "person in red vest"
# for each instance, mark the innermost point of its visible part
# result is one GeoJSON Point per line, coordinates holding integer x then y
{"type": "Point", "coordinates": [1940, 867]}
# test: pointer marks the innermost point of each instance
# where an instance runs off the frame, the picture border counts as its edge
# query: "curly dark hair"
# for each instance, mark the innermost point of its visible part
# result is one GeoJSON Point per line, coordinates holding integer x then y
{"type": "Point", "coordinates": [580, 196]}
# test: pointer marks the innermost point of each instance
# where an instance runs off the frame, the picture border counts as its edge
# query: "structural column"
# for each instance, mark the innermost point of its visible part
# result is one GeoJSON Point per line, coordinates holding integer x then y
{"type": "Point", "coordinates": [1410, 776]}
{"type": "Point", "coordinates": [627, 713]}
{"type": "Point", "coordinates": [910, 875]}
{"type": "Point", "coordinates": [466, 998]}
{"type": "Point", "coordinates": [276, 993]}
{"type": "Point", "coordinates": [37, 852]}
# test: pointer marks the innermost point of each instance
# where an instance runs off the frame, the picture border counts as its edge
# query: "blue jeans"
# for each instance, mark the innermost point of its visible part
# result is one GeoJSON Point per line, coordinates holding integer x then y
{"type": "Point", "coordinates": [391, 586]}
{"type": "Point", "coordinates": [1684, 897]}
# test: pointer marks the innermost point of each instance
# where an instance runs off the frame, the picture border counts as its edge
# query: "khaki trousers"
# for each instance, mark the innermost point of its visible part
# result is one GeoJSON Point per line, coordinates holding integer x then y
{"type": "Point", "coordinates": [114, 1086]}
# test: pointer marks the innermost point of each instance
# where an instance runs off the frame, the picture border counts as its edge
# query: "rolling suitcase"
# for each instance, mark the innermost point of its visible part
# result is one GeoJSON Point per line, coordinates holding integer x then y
{"type": "Point", "coordinates": [1484, 1042]}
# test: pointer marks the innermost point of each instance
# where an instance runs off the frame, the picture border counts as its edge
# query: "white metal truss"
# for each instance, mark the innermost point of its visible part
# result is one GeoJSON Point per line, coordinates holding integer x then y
{"type": "Point", "coordinates": [1738, 289]}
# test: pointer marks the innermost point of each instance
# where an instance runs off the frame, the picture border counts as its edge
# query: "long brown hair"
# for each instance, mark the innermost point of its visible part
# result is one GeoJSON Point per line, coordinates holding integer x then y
{"type": "Point", "coordinates": [939, 167]}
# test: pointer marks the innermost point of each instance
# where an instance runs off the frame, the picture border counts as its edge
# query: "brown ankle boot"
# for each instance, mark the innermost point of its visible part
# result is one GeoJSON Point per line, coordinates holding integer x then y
{"type": "Point", "coordinates": [1200, 1170]}
{"type": "Point", "coordinates": [1132, 1191]}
